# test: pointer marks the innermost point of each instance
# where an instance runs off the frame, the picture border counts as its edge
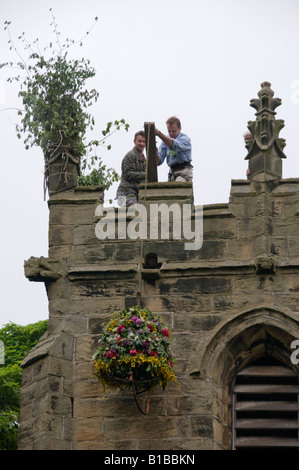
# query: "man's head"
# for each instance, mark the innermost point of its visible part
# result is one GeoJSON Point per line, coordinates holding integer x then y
{"type": "Point", "coordinates": [247, 136]}
{"type": "Point", "coordinates": [173, 126]}
{"type": "Point", "coordinates": [139, 141]}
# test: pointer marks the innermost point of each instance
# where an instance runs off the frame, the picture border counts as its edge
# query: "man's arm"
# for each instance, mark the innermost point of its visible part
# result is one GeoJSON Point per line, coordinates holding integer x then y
{"type": "Point", "coordinates": [158, 158]}
{"type": "Point", "coordinates": [166, 139]}
{"type": "Point", "coordinates": [129, 170]}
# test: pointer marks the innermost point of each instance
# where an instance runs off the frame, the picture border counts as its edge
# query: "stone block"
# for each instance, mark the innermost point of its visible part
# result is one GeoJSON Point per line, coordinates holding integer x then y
{"type": "Point", "coordinates": [85, 428]}
{"type": "Point", "coordinates": [84, 370]}
{"type": "Point", "coordinates": [60, 252]}
{"type": "Point", "coordinates": [107, 444]}
{"type": "Point", "coordinates": [293, 243]}
{"type": "Point", "coordinates": [71, 214]}
{"type": "Point", "coordinates": [195, 404]}
{"type": "Point", "coordinates": [202, 426]}
{"type": "Point", "coordinates": [49, 443]}
{"type": "Point", "coordinates": [200, 285]}
{"type": "Point", "coordinates": [85, 347]}
{"type": "Point", "coordinates": [240, 250]}
{"type": "Point", "coordinates": [88, 387]}
{"type": "Point", "coordinates": [195, 323]}
{"type": "Point", "coordinates": [134, 427]}
{"type": "Point", "coordinates": [196, 303]}
{"type": "Point", "coordinates": [83, 255]}
{"type": "Point", "coordinates": [219, 228]}
{"type": "Point", "coordinates": [58, 290]}
{"type": "Point", "coordinates": [60, 235]}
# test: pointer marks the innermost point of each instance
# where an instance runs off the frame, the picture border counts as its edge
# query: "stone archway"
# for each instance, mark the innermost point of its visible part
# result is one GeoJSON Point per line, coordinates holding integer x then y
{"type": "Point", "coordinates": [236, 343]}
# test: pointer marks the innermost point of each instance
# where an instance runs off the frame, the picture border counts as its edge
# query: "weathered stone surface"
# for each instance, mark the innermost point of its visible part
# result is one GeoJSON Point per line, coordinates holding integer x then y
{"type": "Point", "coordinates": [42, 269]}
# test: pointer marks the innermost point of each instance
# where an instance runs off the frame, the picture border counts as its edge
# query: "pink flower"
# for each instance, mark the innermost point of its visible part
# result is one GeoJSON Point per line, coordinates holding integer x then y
{"type": "Point", "coordinates": [111, 353]}
{"type": "Point", "coordinates": [120, 328]}
{"type": "Point", "coordinates": [153, 353]}
{"type": "Point", "coordinates": [165, 332]}
{"type": "Point", "coordinates": [133, 352]}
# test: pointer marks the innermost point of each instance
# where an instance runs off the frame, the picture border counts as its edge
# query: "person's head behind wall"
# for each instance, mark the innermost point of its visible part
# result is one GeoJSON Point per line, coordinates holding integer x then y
{"type": "Point", "coordinates": [173, 126]}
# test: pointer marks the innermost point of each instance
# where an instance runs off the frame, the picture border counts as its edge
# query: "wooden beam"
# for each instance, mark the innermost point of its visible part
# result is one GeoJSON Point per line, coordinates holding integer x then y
{"type": "Point", "coordinates": [151, 150]}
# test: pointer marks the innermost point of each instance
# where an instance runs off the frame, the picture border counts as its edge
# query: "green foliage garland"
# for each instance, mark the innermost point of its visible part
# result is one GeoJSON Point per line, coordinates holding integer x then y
{"type": "Point", "coordinates": [55, 101]}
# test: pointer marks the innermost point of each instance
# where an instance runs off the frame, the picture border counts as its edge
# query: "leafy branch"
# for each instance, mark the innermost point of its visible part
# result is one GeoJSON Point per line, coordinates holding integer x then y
{"type": "Point", "coordinates": [55, 102]}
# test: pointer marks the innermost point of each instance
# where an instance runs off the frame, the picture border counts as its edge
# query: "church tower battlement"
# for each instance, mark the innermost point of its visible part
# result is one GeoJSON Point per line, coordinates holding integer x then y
{"type": "Point", "coordinates": [232, 304]}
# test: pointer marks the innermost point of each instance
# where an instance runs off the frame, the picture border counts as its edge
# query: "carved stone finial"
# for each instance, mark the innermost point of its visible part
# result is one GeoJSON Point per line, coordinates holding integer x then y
{"type": "Point", "coordinates": [265, 148]}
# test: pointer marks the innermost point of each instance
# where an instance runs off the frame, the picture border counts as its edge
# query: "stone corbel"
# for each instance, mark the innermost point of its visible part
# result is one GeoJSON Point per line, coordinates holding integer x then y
{"type": "Point", "coordinates": [42, 269]}
{"type": "Point", "coordinates": [265, 265]}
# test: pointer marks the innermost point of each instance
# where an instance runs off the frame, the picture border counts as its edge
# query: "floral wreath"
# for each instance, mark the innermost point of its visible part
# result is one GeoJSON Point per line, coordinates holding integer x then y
{"type": "Point", "coordinates": [135, 345]}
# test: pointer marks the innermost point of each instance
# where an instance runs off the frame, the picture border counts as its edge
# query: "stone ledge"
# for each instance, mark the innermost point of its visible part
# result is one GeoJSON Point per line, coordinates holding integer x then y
{"type": "Point", "coordinates": [216, 268]}
{"type": "Point", "coordinates": [60, 346]}
{"type": "Point", "coordinates": [166, 191]}
{"type": "Point", "coordinates": [169, 269]}
{"type": "Point", "coordinates": [102, 272]}
{"type": "Point", "coordinates": [287, 187]}
{"type": "Point", "coordinates": [40, 351]}
{"type": "Point", "coordinates": [167, 185]}
{"type": "Point", "coordinates": [78, 195]}
{"type": "Point", "coordinates": [80, 189]}
{"type": "Point", "coordinates": [240, 187]}
{"type": "Point", "coordinates": [202, 269]}
{"type": "Point", "coordinates": [211, 211]}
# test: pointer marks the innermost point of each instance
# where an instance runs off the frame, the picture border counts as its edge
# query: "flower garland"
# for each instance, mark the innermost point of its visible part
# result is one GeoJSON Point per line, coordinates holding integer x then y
{"type": "Point", "coordinates": [134, 342]}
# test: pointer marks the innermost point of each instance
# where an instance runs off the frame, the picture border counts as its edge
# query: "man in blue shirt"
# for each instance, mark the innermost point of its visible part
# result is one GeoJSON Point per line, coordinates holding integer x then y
{"type": "Point", "coordinates": [176, 148]}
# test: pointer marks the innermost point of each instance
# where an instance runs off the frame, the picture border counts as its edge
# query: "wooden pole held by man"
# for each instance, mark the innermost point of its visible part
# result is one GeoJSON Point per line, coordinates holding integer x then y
{"type": "Point", "coordinates": [151, 150]}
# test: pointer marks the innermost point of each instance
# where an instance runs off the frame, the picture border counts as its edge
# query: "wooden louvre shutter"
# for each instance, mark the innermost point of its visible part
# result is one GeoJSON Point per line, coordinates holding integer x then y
{"type": "Point", "coordinates": [266, 407]}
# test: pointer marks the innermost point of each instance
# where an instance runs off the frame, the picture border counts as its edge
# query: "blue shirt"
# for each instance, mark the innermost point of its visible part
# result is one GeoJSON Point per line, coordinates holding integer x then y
{"type": "Point", "coordinates": [179, 153]}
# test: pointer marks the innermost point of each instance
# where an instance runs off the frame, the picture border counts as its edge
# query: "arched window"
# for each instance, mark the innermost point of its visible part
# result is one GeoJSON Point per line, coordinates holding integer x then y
{"type": "Point", "coordinates": [266, 406]}
{"type": "Point", "coordinates": [256, 392]}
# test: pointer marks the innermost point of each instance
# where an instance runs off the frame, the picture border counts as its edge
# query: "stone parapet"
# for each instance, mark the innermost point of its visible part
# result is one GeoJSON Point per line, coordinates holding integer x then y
{"type": "Point", "coordinates": [227, 302]}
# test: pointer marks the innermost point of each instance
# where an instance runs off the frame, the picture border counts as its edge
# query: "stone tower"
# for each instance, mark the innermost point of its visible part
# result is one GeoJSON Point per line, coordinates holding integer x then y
{"type": "Point", "coordinates": [232, 303]}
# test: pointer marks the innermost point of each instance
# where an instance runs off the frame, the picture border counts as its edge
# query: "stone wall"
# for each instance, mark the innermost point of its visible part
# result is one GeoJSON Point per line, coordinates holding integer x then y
{"type": "Point", "coordinates": [228, 303]}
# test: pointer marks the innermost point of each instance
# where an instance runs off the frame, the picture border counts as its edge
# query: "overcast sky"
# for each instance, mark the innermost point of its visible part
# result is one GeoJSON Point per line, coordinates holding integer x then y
{"type": "Point", "coordinates": [201, 60]}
